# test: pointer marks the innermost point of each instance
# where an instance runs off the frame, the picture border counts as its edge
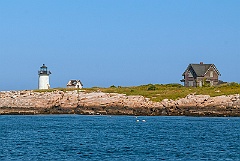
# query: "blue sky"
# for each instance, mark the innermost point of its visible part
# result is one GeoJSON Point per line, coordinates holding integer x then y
{"type": "Point", "coordinates": [122, 43]}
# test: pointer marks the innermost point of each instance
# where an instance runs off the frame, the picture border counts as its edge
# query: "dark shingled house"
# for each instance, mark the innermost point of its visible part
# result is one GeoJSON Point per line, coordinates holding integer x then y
{"type": "Point", "coordinates": [198, 75]}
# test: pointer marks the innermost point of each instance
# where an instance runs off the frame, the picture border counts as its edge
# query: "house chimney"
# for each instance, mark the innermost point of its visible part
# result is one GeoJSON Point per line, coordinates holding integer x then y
{"type": "Point", "coordinates": [201, 63]}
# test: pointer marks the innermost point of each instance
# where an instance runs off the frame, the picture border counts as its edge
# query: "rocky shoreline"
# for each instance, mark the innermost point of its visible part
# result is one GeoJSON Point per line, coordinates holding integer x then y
{"type": "Point", "coordinates": [99, 103]}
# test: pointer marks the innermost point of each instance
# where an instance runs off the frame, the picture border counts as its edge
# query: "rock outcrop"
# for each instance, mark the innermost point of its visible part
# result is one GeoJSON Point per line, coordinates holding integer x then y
{"type": "Point", "coordinates": [74, 102]}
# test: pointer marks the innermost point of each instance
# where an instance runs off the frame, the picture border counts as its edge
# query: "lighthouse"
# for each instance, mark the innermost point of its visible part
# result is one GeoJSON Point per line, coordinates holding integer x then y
{"type": "Point", "coordinates": [43, 80]}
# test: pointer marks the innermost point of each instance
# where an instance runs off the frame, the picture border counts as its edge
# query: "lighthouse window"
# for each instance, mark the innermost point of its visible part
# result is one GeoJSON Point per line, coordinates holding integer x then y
{"type": "Point", "coordinates": [43, 69]}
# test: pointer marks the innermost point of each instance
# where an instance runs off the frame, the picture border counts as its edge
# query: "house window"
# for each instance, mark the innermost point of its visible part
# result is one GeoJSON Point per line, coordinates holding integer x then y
{"type": "Point", "coordinates": [200, 83]}
{"type": "Point", "coordinates": [190, 83]}
{"type": "Point", "coordinates": [211, 83]}
{"type": "Point", "coordinates": [190, 74]}
{"type": "Point", "coordinates": [211, 74]}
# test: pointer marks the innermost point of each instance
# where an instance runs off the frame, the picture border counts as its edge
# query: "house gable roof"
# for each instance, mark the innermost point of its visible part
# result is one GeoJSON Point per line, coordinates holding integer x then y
{"type": "Point", "coordinates": [74, 83]}
{"type": "Point", "coordinates": [201, 69]}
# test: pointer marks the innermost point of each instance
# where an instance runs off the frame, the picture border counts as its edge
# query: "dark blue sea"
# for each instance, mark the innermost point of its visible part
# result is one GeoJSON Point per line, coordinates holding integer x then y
{"type": "Point", "coordinates": [77, 137]}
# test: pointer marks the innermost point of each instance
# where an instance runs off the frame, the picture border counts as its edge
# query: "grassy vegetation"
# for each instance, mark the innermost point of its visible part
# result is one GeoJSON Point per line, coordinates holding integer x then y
{"type": "Point", "coordinates": [158, 92]}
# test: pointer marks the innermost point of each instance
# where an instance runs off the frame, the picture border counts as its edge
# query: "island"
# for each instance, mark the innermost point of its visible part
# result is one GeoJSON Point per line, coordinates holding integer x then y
{"type": "Point", "coordinates": [146, 100]}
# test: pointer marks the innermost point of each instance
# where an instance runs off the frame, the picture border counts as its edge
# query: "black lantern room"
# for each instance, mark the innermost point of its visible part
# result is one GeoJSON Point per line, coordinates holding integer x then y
{"type": "Point", "coordinates": [43, 70]}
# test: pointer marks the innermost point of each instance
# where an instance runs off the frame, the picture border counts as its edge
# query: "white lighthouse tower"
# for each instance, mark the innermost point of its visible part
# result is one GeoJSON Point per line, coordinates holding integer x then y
{"type": "Point", "coordinates": [43, 80]}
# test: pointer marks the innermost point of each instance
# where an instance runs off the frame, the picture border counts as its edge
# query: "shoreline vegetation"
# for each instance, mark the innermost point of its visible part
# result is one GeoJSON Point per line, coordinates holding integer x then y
{"type": "Point", "coordinates": [145, 100]}
{"type": "Point", "coordinates": [159, 92]}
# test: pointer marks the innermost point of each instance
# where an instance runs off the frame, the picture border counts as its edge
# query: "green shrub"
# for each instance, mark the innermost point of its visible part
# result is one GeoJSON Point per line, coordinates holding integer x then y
{"type": "Point", "coordinates": [174, 85]}
{"type": "Point", "coordinates": [233, 84]}
{"type": "Point", "coordinates": [152, 87]}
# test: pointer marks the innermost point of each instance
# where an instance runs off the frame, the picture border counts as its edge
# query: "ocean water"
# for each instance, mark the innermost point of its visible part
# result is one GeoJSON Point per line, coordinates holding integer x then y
{"type": "Point", "coordinates": [76, 137]}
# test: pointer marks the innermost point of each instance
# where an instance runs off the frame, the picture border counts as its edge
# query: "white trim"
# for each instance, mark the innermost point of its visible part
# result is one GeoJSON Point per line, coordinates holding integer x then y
{"type": "Point", "coordinates": [214, 67]}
